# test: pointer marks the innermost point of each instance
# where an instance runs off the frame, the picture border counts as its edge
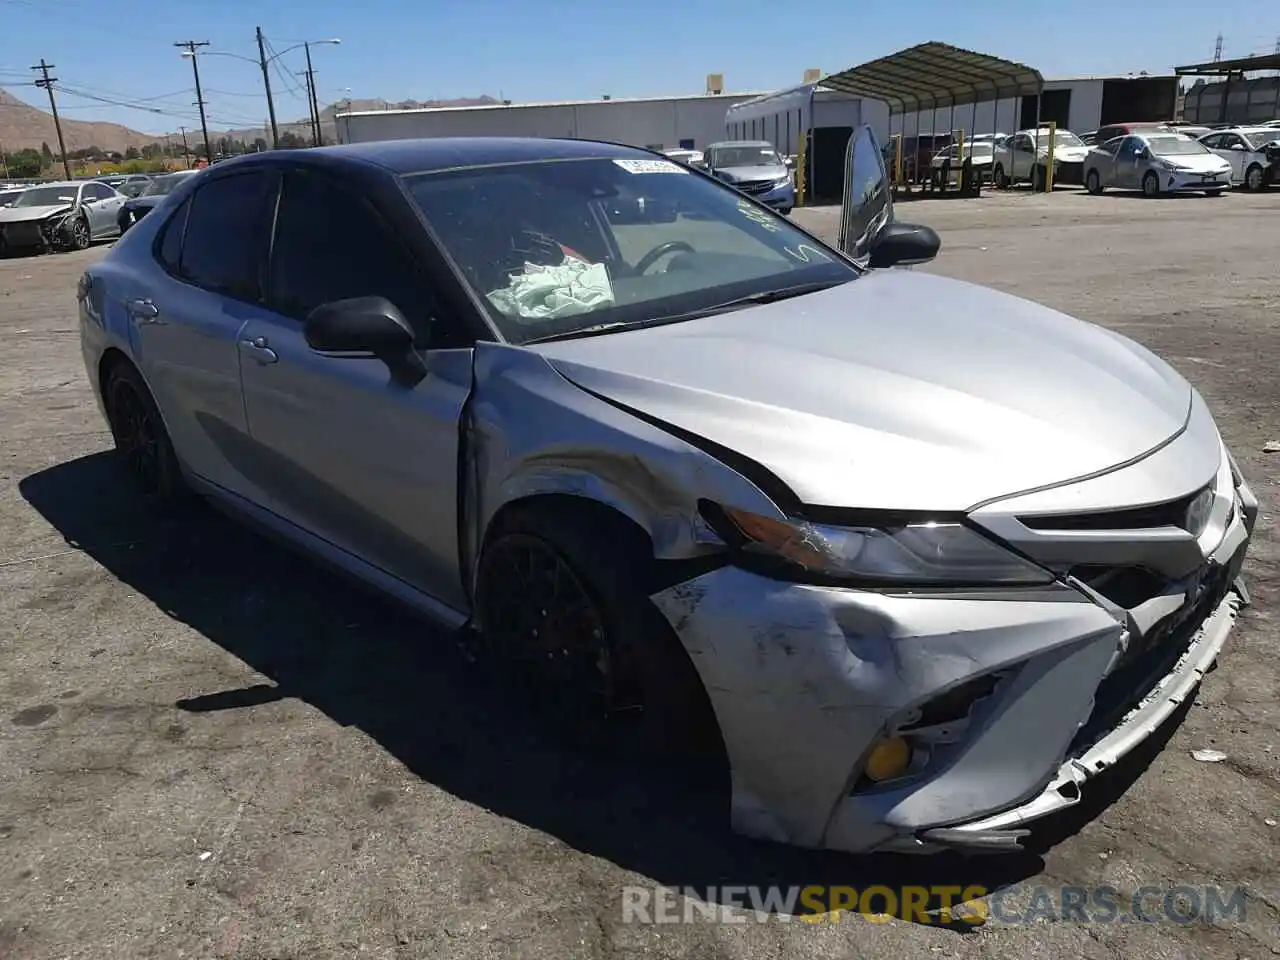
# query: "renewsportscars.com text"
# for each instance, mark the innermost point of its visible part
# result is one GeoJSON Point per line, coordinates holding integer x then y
{"type": "Point", "coordinates": [1019, 904]}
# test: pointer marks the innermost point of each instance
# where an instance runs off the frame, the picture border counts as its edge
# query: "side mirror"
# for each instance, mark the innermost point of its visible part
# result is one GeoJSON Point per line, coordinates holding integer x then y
{"type": "Point", "coordinates": [366, 327]}
{"type": "Point", "coordinates": [903, 244]}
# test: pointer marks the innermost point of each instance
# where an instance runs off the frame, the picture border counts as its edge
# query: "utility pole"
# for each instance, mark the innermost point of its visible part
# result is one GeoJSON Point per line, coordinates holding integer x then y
{"type": "Point", "coordinates": [311, 94]}
{"type": "Point", "coordinates": [1217, 50]}
{"type": "Point", "coordinates": [186, 151]}
{"type": "Point", "coordinates": [4, 162]}
{"type": "Point", "coordinates": [47, 82]}
{"type": "Point", "coordinates": [266, 82]}
{"type": "Point", "coordinates": [191, 46]}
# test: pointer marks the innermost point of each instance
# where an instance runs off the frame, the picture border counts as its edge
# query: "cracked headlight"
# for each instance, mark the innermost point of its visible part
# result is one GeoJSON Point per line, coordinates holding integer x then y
{"type": "Point", "coordinates": [919, 554]}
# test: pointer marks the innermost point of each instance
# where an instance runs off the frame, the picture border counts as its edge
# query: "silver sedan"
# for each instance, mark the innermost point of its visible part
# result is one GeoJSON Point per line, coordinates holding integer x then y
{"type": "Point", "coordinates": [894, 562]}
{"type": "Point", "coordinates": [1156, 163]}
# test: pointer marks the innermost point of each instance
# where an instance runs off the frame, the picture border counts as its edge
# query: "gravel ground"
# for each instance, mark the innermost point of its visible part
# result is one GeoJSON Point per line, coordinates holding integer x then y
{"type": "Point", "coordinates": [211, 748]}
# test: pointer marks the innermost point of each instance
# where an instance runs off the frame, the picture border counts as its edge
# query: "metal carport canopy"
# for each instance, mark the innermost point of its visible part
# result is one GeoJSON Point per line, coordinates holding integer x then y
{"type": "Point", "coordinates": [933, 75]}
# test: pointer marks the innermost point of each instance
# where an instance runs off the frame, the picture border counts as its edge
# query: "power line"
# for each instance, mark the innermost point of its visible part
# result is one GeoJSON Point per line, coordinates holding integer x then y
{"type": "Point", "coordinates": [47, 82]}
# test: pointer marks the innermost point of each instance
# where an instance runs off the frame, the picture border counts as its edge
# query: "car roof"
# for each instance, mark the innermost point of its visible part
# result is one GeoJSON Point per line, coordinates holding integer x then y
{"type": "Point", "coordinates": [740, 143]}
{"type": "Point", "coordinates": [61, 183]}
{"type": "Point", "coordinates": [433, 154]}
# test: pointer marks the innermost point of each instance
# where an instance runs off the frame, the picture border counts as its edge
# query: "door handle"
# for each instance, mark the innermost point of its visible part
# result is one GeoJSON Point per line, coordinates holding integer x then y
{"type": "Point", "coordinates": [259, 349]}
{"type": "Point", "coordinates": [144, 311]}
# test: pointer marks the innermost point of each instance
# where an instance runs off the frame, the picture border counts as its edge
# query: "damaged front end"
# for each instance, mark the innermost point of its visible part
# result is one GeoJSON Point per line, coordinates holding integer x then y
{"type": "Point", "coordinates": [918, 718]}
{"type": "Point", "coordinates": [58, 231]}
{"type": "Point", "coordinates": [52, 232]}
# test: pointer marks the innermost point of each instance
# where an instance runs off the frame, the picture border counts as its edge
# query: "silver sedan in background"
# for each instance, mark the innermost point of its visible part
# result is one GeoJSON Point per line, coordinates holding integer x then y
{"type": "Point", "coordinates": [1156, 162]}
{"type": "Point", "coordinates": [895, 561]}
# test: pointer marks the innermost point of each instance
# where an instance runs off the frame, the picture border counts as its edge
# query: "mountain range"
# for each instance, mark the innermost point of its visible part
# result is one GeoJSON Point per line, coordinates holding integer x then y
{"type": "Point", "coordinates": [24, 125]}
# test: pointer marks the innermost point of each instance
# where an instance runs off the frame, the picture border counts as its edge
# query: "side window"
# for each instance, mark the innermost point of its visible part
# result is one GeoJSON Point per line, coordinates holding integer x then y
{"type": "Point", "coordinates": [1129, 148]}
{"type": "Point", "coordinates": [1213, 142]}
{"type": "Point", "coordinates": [1234, 140]}
{"type": "Point", "coordinates": [1023, 142]}
{"type": "Point", "coordinates": [169, 249]}
{"type": "Point", "coordinates": [225, 235]}
{"type": "Point", "coordinates": [330, 244]}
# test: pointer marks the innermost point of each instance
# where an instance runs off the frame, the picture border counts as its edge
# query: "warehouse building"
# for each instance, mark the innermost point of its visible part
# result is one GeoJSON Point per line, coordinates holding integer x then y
{"type": "Point", "coordinates": [976, 93]}
{"type": "Point", "coordinates": [688, 122]}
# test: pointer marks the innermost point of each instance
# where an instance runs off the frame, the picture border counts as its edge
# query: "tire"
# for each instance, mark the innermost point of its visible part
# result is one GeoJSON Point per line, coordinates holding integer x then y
{"type": "Point", "coordinates": [998, 177]}
{"type": "Point", "coordinates": [1150, 184]}
{"type": "Point", "coordinates": [1254, 178]}
{"type": "Point", "coordinates": [141, 440]}
{"type": "Point", "coordinates": [624, 683]}
{"type": "Point", "coordinates": [79, 235]}
{"type": "Point", "coordinates": [1093, 182]}
{"type": "Point", "coordinates": [785, 211]}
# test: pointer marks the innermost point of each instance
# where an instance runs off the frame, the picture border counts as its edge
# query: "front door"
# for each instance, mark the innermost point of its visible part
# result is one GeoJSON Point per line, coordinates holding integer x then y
{"type": "Point", "coordinates": [365, 462]}
{"type": "Point", "coordinates": [185, 327]}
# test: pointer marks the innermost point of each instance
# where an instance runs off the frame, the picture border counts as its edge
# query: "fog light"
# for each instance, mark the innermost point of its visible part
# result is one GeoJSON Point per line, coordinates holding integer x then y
{"type": "Point", "coordinates": [888, 759]}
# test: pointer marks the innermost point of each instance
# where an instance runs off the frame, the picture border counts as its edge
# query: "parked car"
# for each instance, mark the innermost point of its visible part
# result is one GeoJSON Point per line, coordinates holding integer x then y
{"type": "Point", "coordinates": [1025, 157]}
{"type": "Point", "coordinates": [755, 168]}
{"type": "Point", "coordinates": [134, 186]}
{"type": "Point", "coordinates": [1156, 163]}
{"type": "Point", "coordinates": [980, 150]}
{"type": "Point", "coordinates": [156, 190]}
{"type": "Point", "coordinates": [128, 184]}
{"type": "Point", "coordinates": [60, 216]}
{"type": "Point", "coordinates": [1253, 152]}
{"type": "Point", "coordinates": [690, 158]}
{"type": "Point", "coordinates": [1110, 131]}
{"type": "Point", "coordinates": [895, 561]}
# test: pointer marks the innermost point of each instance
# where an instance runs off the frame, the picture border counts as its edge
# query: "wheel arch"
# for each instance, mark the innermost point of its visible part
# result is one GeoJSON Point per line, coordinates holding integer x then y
{"type": "Point", "coordinates": [515, 456]}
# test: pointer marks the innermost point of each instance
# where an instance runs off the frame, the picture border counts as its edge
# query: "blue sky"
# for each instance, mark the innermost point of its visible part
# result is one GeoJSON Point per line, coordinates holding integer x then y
{"type": "Point", "coordinates": [555, 49]}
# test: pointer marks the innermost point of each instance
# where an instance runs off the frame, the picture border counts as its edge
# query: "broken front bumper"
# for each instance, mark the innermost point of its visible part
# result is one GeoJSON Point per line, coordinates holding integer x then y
{"type": "Point", "coordinates": [1010, 700]}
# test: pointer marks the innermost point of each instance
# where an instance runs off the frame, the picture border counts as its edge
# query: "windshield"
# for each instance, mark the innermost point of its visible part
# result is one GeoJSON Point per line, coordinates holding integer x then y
{"type": "Point", "coordinates": [553, 248]}
{"type": "Point", "coordinates": [46, 197]}
{"type": "Point", "coordinates": [1175, 146]}
{"type": "Point", "coordinates": [133, 188]}
{"type": "Point", "coordinates": [162, 185]}
{"type": "Point", "coordinates": [754, 156]}
{"type": "Point", "coordinates": [1260, 138]}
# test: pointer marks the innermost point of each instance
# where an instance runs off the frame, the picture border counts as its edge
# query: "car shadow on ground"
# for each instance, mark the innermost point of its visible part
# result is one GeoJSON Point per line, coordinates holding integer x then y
{"type": "Point", "coordinates": [364, 662]}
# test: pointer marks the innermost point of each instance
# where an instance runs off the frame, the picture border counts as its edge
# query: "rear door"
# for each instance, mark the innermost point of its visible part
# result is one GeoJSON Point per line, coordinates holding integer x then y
{"type": "Point", "coordinates": [1128, 166]}
{"type": "Point", "coordinates": [185, 325]}
{"type": "Point", "coordinates": [1103, 159]}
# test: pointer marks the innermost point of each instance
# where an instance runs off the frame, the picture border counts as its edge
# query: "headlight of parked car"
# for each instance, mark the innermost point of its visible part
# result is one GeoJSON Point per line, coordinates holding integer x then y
{"type": "Point", "coordinates": [922, 554]}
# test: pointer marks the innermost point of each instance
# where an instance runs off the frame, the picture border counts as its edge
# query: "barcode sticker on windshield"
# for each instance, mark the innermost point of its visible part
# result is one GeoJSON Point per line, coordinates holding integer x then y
{"type": "Point", "coordinates": [650, 166]}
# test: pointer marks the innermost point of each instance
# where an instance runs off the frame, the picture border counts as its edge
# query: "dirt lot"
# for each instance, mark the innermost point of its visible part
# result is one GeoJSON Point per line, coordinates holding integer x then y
{"type": "Point", "coordinates": [211, 748]}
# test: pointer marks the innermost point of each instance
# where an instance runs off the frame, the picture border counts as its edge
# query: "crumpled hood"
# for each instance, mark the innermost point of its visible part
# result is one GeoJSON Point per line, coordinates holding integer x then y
{"type": "Point", "coordinates": [899, 391]}
{"type": "Point", "coordinates": [771, 171]}
{"type": "Point", "coordinates": [22, 214]}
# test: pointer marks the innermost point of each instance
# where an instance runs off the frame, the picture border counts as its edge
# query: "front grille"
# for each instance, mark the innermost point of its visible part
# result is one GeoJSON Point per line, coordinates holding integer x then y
{"type": "Point", "coordinates": [1172, 513]}
{"type": "Point", "coordinates": [755, 186]}
{"type": "Point", "coordinates": [1148, 659]}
